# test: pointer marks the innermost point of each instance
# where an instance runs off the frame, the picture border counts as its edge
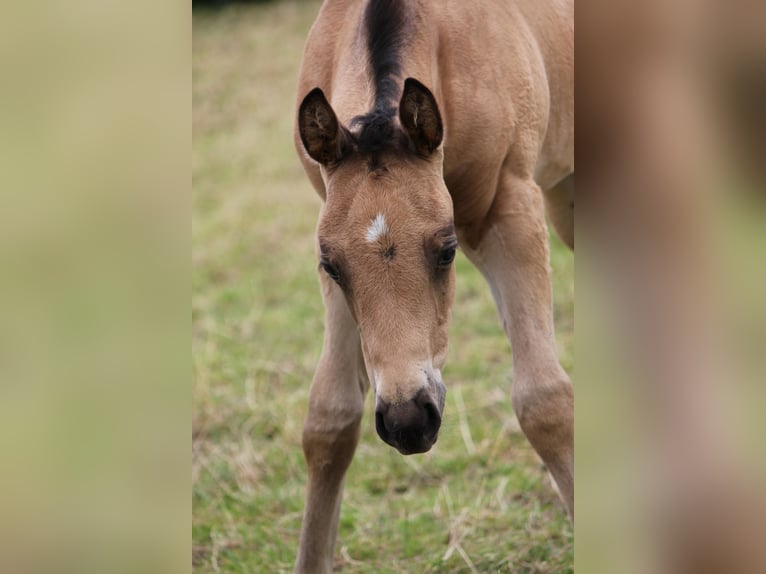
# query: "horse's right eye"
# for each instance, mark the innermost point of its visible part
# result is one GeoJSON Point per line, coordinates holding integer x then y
{"type": "Point", "coordinates": [446, 256]}
{"type": "Point", "coordinates": [331, 271]}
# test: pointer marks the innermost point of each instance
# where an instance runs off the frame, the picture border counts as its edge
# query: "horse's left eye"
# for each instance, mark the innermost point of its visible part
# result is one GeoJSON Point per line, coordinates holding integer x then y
{"type": "Point", "coordinates": [446, 256]}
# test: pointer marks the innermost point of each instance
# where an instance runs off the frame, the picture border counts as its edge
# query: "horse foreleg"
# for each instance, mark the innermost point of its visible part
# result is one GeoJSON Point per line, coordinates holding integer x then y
{"type": "Point", "coordinates": [514, 257]}
{"type": "Point", "coordinates": [331, 431]}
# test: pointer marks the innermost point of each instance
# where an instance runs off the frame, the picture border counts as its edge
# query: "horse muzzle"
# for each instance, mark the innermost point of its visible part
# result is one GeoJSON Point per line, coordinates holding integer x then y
{"type": "Point", "coordinates": [411, 426]}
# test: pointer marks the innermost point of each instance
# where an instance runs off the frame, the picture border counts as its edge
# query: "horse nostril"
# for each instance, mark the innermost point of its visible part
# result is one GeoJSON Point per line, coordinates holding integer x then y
{"type": "Point", "coordinates": [432, 413]}
{"type": "Point", "coordinates": [433, 416]}
{"type": "Point", "coordinates": [380, 425]}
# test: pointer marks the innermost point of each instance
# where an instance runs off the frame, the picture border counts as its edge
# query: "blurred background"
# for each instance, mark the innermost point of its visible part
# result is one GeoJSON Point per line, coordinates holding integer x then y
{"type": "Point", "coordinates": [94, 286]}
{"type": "Point", "coordinates": [670, 278]}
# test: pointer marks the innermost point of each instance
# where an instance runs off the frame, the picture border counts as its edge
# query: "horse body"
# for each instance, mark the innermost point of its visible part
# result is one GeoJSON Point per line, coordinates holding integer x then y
{"type": "Point", "coordinates": [472, 146]}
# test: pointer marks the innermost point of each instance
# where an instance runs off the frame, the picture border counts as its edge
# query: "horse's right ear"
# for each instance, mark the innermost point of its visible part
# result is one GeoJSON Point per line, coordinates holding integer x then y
{"type": "Point", "coordinates": [322, 136]}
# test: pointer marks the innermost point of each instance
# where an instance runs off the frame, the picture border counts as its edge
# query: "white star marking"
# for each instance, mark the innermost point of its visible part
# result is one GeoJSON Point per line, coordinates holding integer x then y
{"type": "Point", "coordinates": [377, 228]}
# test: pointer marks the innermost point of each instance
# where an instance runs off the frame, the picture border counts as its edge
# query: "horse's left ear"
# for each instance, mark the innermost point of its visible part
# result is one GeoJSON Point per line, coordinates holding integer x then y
{"type": "Point", "coordinates": [420, 118]}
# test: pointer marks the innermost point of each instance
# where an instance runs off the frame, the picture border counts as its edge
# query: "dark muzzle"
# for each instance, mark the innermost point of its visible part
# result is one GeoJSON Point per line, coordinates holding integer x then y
{"type": "Point", "coordinates": [411, 426]}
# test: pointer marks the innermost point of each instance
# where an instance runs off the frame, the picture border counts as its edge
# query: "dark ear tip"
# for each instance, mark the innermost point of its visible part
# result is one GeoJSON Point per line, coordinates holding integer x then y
{"type": "Point", "coordinates": [416, 88]}
{"type": "Point", "coordinates": [315, 95]}
{"type": "Point", "coordinates": [316, 92]}
{"type": "Point", "coordinates": [410, 83]}
{"type": "Point", "coordinates": [413, 86]}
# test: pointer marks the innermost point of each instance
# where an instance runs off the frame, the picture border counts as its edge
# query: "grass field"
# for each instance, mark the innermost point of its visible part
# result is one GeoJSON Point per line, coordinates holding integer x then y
{"type": "Point", "coordinates": [480, 501]}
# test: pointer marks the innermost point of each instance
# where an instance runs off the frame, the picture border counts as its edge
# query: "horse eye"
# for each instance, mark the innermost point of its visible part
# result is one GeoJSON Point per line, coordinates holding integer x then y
{"type": "Point", "coordinates": [331, 271]}
{"type": "Point", "coordinates": [446, 256]}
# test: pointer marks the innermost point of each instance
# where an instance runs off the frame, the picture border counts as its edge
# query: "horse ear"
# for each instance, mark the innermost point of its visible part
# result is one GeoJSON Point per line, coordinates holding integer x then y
{"type": "Point", "coordinates": [420, 118]}
{"type": "Point", "coordinates": [322, 136]}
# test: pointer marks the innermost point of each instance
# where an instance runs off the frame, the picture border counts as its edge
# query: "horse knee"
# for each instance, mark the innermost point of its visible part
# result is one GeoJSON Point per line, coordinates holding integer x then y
{"type": "Point", "coordinates": [545, 410]}
{"type": "Point", "coordinates": [330, 435]}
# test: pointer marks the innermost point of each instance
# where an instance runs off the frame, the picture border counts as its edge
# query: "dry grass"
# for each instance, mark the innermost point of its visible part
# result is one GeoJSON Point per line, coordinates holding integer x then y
{"type": "Point", "coordinates": [479, 502]}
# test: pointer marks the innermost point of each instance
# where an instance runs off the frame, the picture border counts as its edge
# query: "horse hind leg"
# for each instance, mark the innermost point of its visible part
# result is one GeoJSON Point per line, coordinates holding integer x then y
{"type": "Point", "coordinates": [559, 204]}
{"type": "Point", "coordinates": [331, 431]}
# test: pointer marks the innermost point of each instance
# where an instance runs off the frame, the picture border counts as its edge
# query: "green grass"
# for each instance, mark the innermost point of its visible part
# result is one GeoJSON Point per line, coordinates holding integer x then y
{"type": "Point", "coordinates": [480, 497]}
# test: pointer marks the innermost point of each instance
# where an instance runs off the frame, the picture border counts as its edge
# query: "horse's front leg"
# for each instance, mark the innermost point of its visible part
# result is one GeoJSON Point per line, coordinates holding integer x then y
{"type": "Point", "coordinates": [331, 430]}
{"type": "Point", "coordinates": [513, 255]}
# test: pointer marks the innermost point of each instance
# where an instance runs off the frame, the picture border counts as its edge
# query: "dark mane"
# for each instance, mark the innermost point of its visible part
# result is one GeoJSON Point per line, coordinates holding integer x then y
{"type": "Point", "coordinates": [384, 22]}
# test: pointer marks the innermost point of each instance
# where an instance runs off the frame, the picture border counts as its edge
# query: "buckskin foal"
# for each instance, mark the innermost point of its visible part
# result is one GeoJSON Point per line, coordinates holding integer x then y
{"type": "Point", "coordinates": [421, 124]}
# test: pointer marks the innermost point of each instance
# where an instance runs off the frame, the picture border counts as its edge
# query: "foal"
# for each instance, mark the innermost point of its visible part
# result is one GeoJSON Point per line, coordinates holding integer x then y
{"type": "Point", "coordinates": [423, 123]}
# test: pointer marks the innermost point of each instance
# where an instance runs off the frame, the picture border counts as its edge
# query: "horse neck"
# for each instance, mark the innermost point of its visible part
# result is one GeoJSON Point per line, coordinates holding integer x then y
{"type": "Point", "coordinates": [353, 91]}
